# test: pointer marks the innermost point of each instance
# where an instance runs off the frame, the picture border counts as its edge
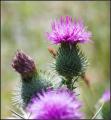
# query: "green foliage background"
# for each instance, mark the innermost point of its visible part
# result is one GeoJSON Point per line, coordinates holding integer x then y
{"type": "Point", "coordinates": [23, 26]}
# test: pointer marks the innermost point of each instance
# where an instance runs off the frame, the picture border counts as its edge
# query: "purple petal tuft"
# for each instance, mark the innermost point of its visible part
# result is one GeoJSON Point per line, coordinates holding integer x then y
{"type": "Point", "coordinates": [66, 30]}
{"type": "Point", "coordinates": [55, 105]}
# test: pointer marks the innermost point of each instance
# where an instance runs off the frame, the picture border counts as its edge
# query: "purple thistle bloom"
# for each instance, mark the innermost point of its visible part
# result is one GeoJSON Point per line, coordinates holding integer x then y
{"type": "Point", "coordinates": [66, 30]}
{"type": "Point", "coordinates": [23, 63]}
{"type": "Point", "coordinates": [55, 105]}
{"type": "Point", "coordinates": [106, 96]}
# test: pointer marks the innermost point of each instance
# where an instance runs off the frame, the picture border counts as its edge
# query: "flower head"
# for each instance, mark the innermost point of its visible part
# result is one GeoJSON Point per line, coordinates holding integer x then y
{"type": "Point", "coordinates": [55, 105]}
{"type": "Point", "coordinates": [106, 96]}
{"type": "Point", "coordinates": [66, 30]}
{"type": "Point", "coordinates": [23, 64]}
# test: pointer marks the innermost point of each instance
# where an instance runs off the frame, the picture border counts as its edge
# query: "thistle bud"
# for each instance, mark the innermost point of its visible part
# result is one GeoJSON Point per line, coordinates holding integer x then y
{"type": "Point", "coordinates": [31, 80]}
{"type": "Point", "coordinates": [23, 64]}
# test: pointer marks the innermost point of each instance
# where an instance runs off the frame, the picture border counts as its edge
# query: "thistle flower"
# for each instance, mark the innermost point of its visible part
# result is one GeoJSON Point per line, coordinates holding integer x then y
{"type": "Point", "coordinates": [66, 30]}
{"type": "Point", "coordinates": [23, 64]}
{"type": "Point", "coordinates": [55, 105]}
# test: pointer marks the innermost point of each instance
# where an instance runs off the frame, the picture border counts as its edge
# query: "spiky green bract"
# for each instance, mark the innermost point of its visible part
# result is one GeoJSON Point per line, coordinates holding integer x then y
{"type": "Point", "coordinates": [32, 85]}
{"type": "Point", "coordinates": [70, 61]}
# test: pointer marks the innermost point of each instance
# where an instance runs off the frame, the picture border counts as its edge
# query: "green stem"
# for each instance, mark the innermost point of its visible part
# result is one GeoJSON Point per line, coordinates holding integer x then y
{"type": "Point", "coordinates": [69, 83]}
{"type": "Point", "coordinates": [98, 111]}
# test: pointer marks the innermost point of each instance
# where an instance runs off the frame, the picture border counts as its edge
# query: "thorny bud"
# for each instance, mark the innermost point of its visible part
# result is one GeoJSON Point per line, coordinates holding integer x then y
{"type": "Point", "coordinates": [23, 64]}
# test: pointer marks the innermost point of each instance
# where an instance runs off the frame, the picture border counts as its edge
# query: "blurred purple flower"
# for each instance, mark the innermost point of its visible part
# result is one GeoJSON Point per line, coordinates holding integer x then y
{"type": "Point", "coordinates": [66, 30]}
{"type": "Point", "coordinates": [106, 96]}
{"type": "Point", "coordinates": [55, 105]}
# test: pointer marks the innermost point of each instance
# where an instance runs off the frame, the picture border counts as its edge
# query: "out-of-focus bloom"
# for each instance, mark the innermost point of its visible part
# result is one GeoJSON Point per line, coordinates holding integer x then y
{"type": "Point", "coordinates": [55, 105]}
{"type": "Point", "coordinates": [23, 63]}
{"type": "Point", "coordinates": [69, 31]}
{"type": "Point", "coordinates": [106, 96]}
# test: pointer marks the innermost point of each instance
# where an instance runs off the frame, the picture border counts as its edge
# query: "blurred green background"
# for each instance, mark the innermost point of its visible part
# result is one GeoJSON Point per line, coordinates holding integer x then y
{"type": "Point", "coordinates": [23, 26]}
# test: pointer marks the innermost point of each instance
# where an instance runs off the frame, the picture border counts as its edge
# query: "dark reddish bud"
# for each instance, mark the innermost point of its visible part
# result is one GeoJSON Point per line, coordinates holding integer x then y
{"type": "Point", "coordinates": [23, 63]}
